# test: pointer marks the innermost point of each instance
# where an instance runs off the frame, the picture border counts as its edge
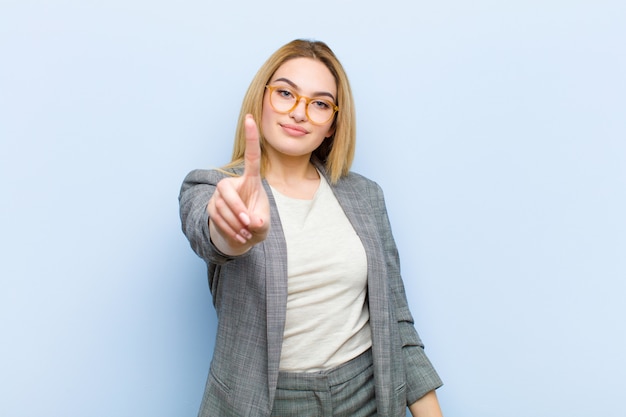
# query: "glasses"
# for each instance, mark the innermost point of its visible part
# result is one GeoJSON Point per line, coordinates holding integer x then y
{"type": "Point", "coordinates": [318, 110]}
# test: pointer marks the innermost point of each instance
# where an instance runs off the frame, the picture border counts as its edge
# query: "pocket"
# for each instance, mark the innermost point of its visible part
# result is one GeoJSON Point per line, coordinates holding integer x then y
{"type": "Point", "coordinates": [398, 404]}
{"type": "Point", "coordinates": [216, 400]}
{"type": "Point", "coordinates": [215, 381]}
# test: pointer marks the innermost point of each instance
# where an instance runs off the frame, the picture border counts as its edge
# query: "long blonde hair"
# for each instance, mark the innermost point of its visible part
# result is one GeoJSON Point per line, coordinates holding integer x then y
{"type": "Point", "coordinates": [337, 151]}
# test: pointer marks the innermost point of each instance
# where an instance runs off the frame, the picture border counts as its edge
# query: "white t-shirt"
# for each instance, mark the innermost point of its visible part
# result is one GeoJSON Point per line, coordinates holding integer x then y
{"type": "Point", "coordinates": [327, 312]}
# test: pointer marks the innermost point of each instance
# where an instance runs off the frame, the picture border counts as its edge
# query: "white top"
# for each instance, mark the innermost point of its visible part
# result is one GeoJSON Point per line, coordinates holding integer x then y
{"type": "Point", "coordinates": [327, 313]}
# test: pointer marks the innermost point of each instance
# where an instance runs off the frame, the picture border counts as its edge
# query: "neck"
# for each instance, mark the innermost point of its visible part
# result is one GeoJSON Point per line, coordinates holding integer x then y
{"type": "Point", "coordinates": [293, 176]}
{"type": "Point", "coordinates": [290, 169]}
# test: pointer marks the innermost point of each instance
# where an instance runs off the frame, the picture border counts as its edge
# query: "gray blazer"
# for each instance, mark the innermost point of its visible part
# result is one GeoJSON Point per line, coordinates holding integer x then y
{"type": "Point", "coordinates": [250, 297]}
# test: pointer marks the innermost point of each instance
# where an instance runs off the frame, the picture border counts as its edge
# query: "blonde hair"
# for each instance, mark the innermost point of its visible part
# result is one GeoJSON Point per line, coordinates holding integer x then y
{"type": "Point", "coordinates": [337, 151]}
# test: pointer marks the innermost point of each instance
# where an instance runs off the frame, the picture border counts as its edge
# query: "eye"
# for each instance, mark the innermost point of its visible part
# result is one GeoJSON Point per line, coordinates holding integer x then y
{"type": "Point", "coordinates": [284, 93]}
{"type": "Point", "coordinates": [321, 104]}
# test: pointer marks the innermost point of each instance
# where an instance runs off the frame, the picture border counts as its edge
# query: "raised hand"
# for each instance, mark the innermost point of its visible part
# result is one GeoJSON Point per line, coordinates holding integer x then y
{"type": "Point", "coordinates": [239, 211]}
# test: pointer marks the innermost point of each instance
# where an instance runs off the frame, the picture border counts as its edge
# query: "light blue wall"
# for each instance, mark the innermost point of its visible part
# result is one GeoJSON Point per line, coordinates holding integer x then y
{"type": "Point", "coordinates": [497, 129]}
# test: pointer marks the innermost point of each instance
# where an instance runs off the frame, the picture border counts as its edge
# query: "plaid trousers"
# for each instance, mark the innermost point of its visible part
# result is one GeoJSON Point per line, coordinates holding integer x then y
{"type": "Point", "coordinates": [344, 391]}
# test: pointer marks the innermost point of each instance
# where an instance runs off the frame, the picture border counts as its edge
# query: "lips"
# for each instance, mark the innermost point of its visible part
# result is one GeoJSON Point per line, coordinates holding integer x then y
{"type": "Point", "coordinates": [294, 130]}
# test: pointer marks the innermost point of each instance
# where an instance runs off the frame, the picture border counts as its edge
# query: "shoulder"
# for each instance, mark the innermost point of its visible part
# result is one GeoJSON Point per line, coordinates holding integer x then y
{"type": "Point", "coordinates": [209, 177]}
{"type": "Point", "coordinates": [357, 178]}
{"type": "Point", "coordinates": [362, 184]}
{"type": "Point", "coordinates": [352, 181]}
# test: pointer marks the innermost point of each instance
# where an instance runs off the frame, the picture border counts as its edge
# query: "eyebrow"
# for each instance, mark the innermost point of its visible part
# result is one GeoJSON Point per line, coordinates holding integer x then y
{"type": "Point", "coordinates": [295, 87]}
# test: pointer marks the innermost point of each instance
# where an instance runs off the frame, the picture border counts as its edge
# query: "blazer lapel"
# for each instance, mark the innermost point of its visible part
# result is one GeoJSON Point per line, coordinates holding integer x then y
{"type": "Point", "coordinates": [275, 248]}
{"type": "Point", "coordinates": [352, 197]}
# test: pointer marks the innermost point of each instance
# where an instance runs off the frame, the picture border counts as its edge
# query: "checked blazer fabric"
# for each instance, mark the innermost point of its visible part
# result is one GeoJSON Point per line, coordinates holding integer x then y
{"type": "Point", "coordinates": [250, 297]}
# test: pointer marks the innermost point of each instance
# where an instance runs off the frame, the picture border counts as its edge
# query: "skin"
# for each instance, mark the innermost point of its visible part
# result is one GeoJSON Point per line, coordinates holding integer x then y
{"type": "Point", "coordinates": [239, 213]}
{"type": "Point", "coordinates": [427, 406]}
{"type": "Point", "coordinates": [291, 138]}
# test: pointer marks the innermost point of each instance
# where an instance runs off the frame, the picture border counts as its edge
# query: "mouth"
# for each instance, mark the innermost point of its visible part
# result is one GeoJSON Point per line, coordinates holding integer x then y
{"type": "Point", "coordinates": [294, 130]}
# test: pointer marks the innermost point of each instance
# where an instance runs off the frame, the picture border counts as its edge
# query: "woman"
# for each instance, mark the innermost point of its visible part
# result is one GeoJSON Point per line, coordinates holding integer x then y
{"type": "Point", "coordinates": [303, 269]}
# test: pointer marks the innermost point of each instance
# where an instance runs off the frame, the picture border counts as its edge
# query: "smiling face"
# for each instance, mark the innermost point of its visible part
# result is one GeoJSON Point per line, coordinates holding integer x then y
{"type": "Point", "coordinates": [292, 134]}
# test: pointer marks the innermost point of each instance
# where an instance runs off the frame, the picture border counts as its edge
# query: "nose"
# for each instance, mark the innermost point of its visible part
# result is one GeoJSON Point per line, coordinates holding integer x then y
{"type": "Point", "coordinates": [299, 112]}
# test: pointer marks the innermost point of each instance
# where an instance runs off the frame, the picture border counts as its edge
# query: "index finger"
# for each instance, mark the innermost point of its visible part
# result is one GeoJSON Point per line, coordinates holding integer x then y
{"type": "Point", "coordinates": [252, 155]}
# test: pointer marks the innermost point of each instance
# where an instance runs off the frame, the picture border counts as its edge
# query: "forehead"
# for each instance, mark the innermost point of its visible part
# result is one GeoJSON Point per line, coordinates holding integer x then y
{"type": "Point", "coordinates": [308, 74]}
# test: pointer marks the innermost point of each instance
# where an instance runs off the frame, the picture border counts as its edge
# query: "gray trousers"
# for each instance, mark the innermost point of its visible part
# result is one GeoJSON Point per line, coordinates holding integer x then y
{"type": "Point", "coordinates": [344, 391]}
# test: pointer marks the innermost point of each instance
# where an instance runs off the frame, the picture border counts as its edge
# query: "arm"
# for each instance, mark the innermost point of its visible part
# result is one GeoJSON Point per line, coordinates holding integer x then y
{"type": "Point", "coordinates": [224, 216]}
{"type": "Point", "coordinates": [197, 189]}
{"type": "Point", "coordinates": [421, 377]}
{"type": "Point", "coordinates": [427, 406]}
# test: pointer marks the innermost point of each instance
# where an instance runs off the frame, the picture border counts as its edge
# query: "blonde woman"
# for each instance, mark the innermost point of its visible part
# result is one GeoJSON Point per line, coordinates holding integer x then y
{"type": "Point", "coordinates": [303, 269]}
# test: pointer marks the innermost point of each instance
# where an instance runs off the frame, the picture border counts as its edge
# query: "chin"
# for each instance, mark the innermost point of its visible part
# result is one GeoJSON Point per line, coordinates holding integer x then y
{"type": "Point", "coordinates": [297, 149]}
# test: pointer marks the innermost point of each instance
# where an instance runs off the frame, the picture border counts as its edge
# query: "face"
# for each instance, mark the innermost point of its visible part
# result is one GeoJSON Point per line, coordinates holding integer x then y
{"type": "Point", "coordinates": [292, 134]}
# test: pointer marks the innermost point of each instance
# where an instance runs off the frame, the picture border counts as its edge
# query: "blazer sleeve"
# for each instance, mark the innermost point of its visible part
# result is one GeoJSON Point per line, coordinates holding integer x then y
{"type": "Point", "coordinates": [421, 376]}
{"type": "Point", "coordinates": [196, 190]}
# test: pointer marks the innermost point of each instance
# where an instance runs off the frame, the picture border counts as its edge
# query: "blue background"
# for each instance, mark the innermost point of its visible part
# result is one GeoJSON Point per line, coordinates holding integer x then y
{"type": "Point", "coordinates": [497, 130]}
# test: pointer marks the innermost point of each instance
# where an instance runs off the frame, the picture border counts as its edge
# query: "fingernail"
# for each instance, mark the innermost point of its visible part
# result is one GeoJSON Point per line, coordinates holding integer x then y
{"type": "Point", "coordinates": [245, 233]}
{"type": "Point", "coordinates": [245, 219]}
{"type": "Point", "coordinates": [240, 238]}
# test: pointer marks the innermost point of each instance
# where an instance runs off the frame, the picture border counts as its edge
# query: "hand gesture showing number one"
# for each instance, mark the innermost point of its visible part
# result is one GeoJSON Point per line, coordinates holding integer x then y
{"type": "Point", "coordinates": [239, 211]}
